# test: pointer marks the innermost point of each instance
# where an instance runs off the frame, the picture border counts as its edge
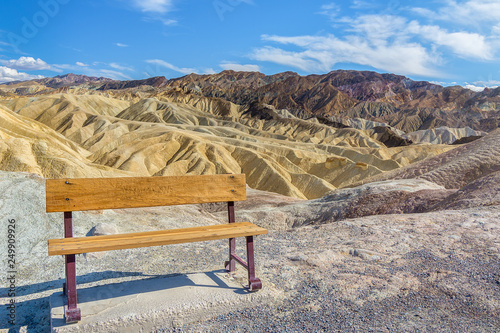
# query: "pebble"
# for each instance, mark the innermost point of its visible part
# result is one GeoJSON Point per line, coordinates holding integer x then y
{"type": "Point", "coordinates": [365, 254]}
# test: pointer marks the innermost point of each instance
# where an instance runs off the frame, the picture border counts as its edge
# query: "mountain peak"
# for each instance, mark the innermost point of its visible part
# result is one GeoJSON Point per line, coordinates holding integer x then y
{"type": "Point", "coordinates": [70, 79]}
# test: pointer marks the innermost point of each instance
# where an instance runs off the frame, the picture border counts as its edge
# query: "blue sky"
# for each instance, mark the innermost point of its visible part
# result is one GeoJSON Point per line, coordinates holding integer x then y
{"type": "Point", "coordinates": [443, 41]}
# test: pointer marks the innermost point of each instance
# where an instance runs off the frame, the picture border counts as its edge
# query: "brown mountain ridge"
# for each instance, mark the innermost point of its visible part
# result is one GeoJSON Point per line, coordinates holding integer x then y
{"type": "Point", "coordinates": [396, 100]}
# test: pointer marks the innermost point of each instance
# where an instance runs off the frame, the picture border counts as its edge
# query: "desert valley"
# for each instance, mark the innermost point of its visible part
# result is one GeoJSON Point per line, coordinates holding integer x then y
{"type": "Point", "coordinates": [381, 194]}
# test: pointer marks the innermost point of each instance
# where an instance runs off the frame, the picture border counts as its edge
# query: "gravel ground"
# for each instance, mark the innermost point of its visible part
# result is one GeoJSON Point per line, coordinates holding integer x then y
{"type": "Point", "coordinates": [447, 281]}
{"type": "Point", "coordinates": [312, 307]}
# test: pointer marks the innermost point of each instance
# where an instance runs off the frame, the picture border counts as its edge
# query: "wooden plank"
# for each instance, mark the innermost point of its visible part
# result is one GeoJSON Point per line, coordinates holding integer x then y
{"type": "Point", "coordinates": [64, 195]}
{"type": "Point", "coordinates": [77, 245]}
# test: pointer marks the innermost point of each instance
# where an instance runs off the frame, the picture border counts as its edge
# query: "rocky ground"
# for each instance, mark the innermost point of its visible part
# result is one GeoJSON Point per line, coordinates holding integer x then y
{"type": "Point", "coordinates": [433, 272]}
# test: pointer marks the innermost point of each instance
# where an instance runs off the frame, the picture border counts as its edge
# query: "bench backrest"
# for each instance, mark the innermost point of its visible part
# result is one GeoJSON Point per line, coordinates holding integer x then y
{"type": "Point", "coordinates": [76, 194]}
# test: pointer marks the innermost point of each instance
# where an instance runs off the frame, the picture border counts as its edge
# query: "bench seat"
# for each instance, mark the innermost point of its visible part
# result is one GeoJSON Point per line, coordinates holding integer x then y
{"type": "Point", "coordinates": [78, 245]}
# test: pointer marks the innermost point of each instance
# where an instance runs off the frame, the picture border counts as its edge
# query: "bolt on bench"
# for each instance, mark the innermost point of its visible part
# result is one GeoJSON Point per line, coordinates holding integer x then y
{"type": "Point", "coordinates": [69, 195]}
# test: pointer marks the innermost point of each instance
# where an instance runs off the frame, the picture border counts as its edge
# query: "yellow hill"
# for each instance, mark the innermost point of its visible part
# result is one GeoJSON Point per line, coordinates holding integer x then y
{"type": "Point", "coordinates": [172, 133]}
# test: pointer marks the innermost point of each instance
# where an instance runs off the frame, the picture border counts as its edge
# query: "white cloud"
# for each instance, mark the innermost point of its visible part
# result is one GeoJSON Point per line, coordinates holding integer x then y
{"type": "Point", "coordinates": [209, 71]}
{"type": "Point", "coordinates": [26, 63]}
{"type": "Point", "coordinates": [424, 12]}
{"type": "Point", "coordinates": [440, 83]}
{"type": "Point", "coordinates": [168, 22]}
{"type": "Point", "coordinates": [153, 6]}
{"type": "Point", "coordinates": [295, 59]}
{"type": "Point", "coordinates": [481, 85]}
{"type": "Point", "coordinates": [155, 10]}
{"type": "Point", "coordinates": [239, 67]}
{"type": "Point", "coordinates": [471, 12]}
{"type": "Point", "coordinates": [120, 67]}
{"type": "Point", "coordinates": [321, 53]}
{"type": "Point", "coordinates": [159, 18]}
{"type": "Point", "coordinates": [9, 74]}
{"type": "Point", "coordinates": [121, 45]}
{"type": "Point", "coordinates": [495, 30]}
{"type": "Point", "coordinates": [331, 10]}
{"type": "Point", "coordinates": [378, 28]}
{"type": "Point", "coordinates": [116, 75]}
{"type": "Point", "coordinates": [386, 42]}
{"type": "Point", "coordinates": [165, 64]}
{"type": "Point", "coordinates": [61, 67]}
{"type": "Point", "coordinates": [465, 44]}
{"type": "Point", "coordinates": [473, 87]}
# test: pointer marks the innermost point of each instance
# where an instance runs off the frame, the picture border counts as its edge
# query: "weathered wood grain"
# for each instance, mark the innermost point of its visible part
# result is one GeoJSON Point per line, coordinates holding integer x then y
{"type": "Point", "coordinates": [79, 245]}
{"type": "Point", "coordinates": [64, 195]}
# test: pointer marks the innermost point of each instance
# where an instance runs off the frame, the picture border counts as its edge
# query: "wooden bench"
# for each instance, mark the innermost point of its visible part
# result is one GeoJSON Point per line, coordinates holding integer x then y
{"type": "Point", "coordinates": [69, 195]}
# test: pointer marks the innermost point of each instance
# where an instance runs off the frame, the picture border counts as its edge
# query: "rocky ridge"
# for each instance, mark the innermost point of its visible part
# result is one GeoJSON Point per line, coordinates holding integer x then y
{"type": "Point", "coordinates": [456, 168]}
{"type": "Point", "coordinates": [443, 135]}
{"type": "Point", "coordinates": [387, 98]}
{"type": "Point", "coordinates": [396, 100]}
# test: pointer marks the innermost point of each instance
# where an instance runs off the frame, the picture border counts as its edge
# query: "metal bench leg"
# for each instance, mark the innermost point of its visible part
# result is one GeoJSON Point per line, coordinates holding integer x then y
{"type": "Point", "coordinates": [253, 282]}
{"type": "Point", "coordinates": [71, 311]}
{"type": "Point", "coordinates": [231, 263]}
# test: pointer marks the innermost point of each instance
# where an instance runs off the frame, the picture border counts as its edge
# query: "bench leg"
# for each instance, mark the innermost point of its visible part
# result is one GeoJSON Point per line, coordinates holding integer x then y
{"type": "Point", "coordinates": [71, 311]}
{"type": "Point", "coordinates": [231, 264]}
{"type": "Point", "coordinates": [253, 282]}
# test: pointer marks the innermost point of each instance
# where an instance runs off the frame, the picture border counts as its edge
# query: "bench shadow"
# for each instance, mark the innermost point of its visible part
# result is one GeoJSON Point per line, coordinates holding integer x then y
{"type": "Point", "coordinates": [28, 312]}
{"type": "Point", "coordinates": [57, 284]}
{"type": "Point", "coordinates": [152, 284]}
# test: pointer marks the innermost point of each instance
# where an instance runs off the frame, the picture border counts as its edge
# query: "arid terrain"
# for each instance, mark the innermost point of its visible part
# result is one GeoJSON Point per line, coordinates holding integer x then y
{"type": "Point", "coordinates": [379, 219]}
